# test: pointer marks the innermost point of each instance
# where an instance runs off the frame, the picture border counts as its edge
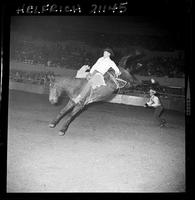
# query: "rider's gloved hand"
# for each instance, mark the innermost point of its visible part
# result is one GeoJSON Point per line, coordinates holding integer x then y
{"type": "Point", "coordinates": [118, 73]}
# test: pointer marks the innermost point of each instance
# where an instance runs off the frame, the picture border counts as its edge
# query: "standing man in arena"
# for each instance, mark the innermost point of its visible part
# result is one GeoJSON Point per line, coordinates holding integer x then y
{"type": "Point", "coordinates": [155, 103]}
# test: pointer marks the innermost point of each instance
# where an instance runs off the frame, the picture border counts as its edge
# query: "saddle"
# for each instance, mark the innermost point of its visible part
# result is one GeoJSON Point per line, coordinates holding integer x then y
{"type": "Point", "coordinates": [99, 91]}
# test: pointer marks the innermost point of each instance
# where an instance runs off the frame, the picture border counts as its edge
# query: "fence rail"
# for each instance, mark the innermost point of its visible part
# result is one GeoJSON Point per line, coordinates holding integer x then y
{"type": "Point", "coordinates": [141, 92]}
{"type": "Point", "coordinates": [175, 103]}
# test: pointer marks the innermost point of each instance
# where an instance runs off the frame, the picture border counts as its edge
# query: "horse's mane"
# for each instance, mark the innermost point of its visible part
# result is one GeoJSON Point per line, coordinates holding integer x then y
{"type": "Point", "coordinates": [69, 84]}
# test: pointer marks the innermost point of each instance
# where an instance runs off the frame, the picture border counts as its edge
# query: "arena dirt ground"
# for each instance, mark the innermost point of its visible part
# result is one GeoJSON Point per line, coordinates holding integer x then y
{"type": "Point", "coordinates": [107, 148]}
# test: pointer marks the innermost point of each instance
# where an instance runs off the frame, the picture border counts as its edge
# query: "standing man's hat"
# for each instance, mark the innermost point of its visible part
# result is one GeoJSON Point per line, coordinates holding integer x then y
{"type": "Point", "coordinates": [110, 51]}
{"type": "Point", "coordinates": [152, 91]}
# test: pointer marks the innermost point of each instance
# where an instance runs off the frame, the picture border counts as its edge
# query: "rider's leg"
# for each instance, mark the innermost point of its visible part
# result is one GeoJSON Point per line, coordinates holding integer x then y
{"type": "Point", "coordinates": [96, 80]}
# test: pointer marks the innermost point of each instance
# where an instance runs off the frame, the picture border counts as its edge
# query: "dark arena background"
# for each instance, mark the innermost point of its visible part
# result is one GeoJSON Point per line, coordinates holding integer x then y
{"type": "Point", "coordinates": [112, 146]}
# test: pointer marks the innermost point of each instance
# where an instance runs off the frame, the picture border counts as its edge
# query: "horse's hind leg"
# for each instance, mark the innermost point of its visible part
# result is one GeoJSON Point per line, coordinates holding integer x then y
{"type": "Point", "coordinates": [70, 118]}
{"type": "Point", "coordinates": [61, 114]}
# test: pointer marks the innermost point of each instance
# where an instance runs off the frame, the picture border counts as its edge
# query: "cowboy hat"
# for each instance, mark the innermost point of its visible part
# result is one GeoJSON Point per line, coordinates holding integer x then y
{"type": "Point", "coordinates": [110, 51]}
{"type": "Point", "coordinates": [152, 91]}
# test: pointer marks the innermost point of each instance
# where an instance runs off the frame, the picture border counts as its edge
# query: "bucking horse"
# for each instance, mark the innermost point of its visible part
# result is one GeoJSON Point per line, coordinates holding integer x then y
{"type": "Point", "coordinates": [73, 86]}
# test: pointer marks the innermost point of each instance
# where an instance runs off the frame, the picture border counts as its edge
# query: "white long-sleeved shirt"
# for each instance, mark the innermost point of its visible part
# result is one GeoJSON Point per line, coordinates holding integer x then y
{"type": "Point", "coordinates": [154, 101]}
{"type": "Point", "coordinates": [103, 64]}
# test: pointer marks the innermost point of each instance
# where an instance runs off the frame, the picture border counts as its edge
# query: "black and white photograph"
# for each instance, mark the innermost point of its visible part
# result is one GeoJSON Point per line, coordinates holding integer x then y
{"type": "Point", "coordinates": [96, 103]}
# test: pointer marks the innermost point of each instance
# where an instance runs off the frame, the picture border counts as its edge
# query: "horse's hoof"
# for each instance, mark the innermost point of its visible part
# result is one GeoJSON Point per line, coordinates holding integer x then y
{"type": "Point", "coordinates": [61, 133]}
{"type": "Point", "coordinates": [52, 125]}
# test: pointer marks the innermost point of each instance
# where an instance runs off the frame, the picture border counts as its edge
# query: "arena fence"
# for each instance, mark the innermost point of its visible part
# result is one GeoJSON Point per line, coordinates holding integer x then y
{"type": "Point", "coordinates": [172, 102]}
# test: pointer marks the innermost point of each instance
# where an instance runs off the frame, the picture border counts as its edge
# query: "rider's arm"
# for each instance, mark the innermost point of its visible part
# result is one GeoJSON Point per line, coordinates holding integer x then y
{"type": "Point", "coordinates": [116, 69]}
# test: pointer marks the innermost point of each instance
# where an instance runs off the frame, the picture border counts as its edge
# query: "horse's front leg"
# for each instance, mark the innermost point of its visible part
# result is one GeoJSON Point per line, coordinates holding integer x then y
{"type": "Point", "coordinates": [70, 118]}
{"type": "Point", "coordinates": [61, 114]}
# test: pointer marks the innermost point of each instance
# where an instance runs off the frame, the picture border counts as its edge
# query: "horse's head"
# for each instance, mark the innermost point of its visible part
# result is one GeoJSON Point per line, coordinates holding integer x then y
{"type": "Point", "coordinates": [54, 91]}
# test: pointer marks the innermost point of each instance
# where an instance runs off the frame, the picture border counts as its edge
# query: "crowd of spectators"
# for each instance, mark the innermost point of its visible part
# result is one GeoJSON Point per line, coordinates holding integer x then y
{"type": "Point", "coordinates": [172, 67]}
{"type": "Point", "coordinates": [57, 54]}
{"type": "Point", "coordinates": [73, 55]}
{"type": "Point", "coordinates": [40, 78]}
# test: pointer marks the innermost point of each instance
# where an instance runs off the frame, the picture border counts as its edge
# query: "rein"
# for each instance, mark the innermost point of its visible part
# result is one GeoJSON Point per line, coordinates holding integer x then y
{"type": "Point", "coordinates": [113, 79]}
{"type": "Point", "coordinates": [117, 80]}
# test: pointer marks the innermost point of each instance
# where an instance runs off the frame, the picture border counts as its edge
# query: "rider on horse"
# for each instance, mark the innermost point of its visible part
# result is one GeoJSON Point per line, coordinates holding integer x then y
{"type": "Point", "coordinates": [96, 75]}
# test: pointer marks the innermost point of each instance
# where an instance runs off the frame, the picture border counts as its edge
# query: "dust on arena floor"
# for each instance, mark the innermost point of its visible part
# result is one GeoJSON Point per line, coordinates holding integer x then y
{"type": "Point", "coordinates": [107, 148]}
